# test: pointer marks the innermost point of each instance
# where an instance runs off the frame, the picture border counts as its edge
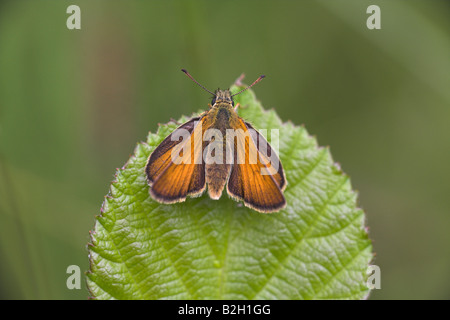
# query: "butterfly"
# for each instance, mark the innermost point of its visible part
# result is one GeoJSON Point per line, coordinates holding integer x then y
{"type": "Point", "coordinates": [217, 149]}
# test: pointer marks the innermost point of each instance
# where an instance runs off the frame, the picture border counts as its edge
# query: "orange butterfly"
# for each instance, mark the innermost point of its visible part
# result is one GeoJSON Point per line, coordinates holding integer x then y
{"type": "Point", "coordinates": [217, 148]}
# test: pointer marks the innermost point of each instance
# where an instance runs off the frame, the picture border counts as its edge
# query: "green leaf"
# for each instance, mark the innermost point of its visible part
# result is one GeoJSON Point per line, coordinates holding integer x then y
{"type": "Point", "coordinates": [315, 248]}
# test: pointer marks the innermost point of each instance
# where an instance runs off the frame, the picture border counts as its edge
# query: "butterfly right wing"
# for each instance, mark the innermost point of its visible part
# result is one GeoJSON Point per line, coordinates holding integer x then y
{"type": "Point", "coordinates": [253, 180]}
{"type": "Point", "coordinates": [269, 156]}
{"type": "Point", "coordinates": [175, 168]}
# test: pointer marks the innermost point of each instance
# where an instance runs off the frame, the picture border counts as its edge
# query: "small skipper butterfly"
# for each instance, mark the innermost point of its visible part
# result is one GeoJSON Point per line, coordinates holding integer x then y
{"type": "Point", "coordinates": [215, 149]}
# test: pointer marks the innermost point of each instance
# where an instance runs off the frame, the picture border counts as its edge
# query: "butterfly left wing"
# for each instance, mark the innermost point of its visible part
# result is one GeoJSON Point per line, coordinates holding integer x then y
{"type": "Point", "coordinates": [174, 169]}
{"type": "Point", "coordinates": [161, 157]}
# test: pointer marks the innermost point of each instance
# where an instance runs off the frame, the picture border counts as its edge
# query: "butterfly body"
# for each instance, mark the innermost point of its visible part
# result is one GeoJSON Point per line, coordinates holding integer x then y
{"type": "Point", "coordinates": [222, 117]}
{"type": "Point", "coordinates": [218, 149]}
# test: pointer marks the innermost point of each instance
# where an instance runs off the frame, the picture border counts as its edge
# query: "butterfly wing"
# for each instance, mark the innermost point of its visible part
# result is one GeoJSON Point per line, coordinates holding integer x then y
{"type": "Point", "coordinates": [174, 169]}
{"type": "Point", "coordinates": [269, 156]}
{"type": "Point", "coordinates": [254, 180]}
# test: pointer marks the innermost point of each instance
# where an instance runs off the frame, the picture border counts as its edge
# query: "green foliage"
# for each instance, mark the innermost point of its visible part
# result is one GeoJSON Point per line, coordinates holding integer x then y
{"type": "Point", "coordinates": [316, 248]}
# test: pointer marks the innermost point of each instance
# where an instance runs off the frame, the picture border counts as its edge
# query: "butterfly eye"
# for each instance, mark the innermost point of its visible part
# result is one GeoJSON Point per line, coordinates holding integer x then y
{"type": "Point", "coordinates": [213, 101]}
{"type": "Point", "coordinates": [232, 101]}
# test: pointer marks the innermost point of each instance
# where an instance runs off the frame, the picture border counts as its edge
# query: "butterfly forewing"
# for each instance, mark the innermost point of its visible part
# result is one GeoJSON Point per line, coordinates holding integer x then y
{"type": "Point", "coordinates": [249, 180]}
{"type": "Point", "coordinates": [268, 157]}
{"type": "Point", "coordinates": [175, 169]}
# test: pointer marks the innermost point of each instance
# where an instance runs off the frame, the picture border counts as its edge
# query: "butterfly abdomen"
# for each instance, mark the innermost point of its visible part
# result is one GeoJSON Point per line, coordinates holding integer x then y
{"type": "Point", "coordinates": [216, 166]}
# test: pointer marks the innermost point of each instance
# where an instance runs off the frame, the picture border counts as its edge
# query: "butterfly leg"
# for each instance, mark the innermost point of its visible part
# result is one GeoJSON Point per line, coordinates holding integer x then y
{"type": "Point", "coordinates": [238, 105]}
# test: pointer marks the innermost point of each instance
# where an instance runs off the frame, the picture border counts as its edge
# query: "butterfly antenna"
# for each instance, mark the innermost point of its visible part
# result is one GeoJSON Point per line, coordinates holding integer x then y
{"type": "Point", "coordinates": [256, 81]}
{"type": "Point", "coordinates": [187, 73]}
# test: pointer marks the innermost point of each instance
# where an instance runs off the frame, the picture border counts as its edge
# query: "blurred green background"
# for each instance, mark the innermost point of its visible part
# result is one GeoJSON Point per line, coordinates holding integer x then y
{"type": "Point", "coordinates": [73, 104]}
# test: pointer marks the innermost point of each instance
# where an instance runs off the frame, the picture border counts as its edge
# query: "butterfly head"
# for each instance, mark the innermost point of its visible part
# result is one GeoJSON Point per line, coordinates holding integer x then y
{"type": "Point", "coordinates": [222, 96]}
